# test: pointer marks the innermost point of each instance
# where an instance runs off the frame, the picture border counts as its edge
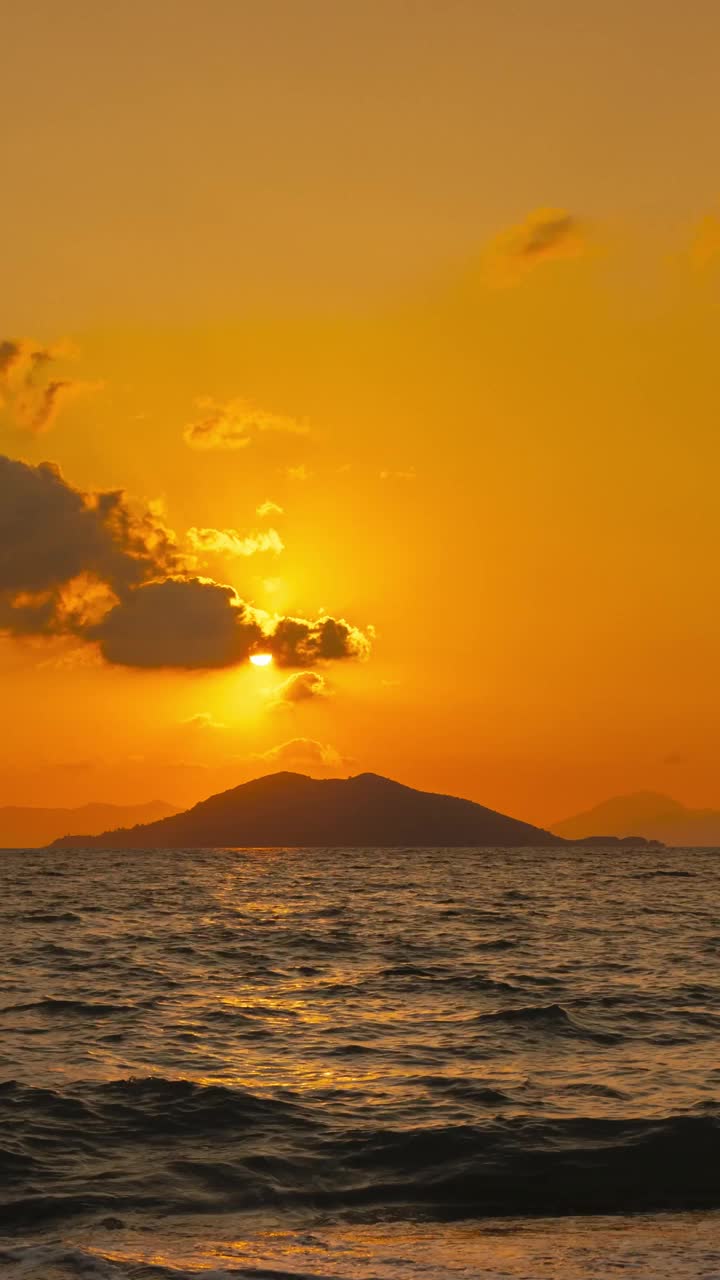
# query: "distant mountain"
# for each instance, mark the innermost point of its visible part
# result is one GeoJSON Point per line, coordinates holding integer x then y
{"type": "Point", "coordinates": [293, 810]}
{"type": "Point", "coordinates": [30, 828]}
{"type": "Point", "coordinates": [649, 814]}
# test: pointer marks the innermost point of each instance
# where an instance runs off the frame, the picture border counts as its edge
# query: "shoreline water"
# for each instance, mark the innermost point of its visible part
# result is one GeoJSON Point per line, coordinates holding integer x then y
{"type": "Point", "coordinates": [350, 1063]}
{"type": "Point", "coordinates": [643, 1247]}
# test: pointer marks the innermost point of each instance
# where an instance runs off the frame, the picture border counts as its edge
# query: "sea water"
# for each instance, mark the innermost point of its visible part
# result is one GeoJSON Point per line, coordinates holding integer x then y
{"type": "Point", "coordinates": [360, 1063]}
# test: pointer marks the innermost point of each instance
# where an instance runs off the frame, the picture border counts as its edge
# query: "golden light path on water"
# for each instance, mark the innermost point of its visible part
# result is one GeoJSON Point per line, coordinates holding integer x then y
{"type": "Point", "coordinates": [681, 1245]}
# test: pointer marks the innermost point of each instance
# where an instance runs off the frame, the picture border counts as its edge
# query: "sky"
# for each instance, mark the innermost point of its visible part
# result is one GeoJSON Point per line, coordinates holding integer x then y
{"type": "Point", "coordinates": [380, 338]}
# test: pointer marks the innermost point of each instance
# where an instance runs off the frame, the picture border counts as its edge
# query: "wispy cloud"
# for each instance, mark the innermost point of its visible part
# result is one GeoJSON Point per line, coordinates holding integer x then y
{"type": "Point", "coordinates": [228, 542]}
{"type": "Point", "coordinates": [269, 509]}
{"type": "Point", "coordinates": [304, 754]}
{"type": "Point", "coordinates": [202, 720]}
{"type": "Point", "coordinates": [545, 235]}
{"type": "Point", "coordinates": [235, 424]}
{"type": "Point", "coordinates": [303, 686]}
{"type": "Point", "coordinates": [30, 399]}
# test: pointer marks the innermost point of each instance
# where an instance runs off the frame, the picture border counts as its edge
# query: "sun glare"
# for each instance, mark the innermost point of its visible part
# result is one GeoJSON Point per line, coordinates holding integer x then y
{"type": "Point", "coordinates": [261, 659]}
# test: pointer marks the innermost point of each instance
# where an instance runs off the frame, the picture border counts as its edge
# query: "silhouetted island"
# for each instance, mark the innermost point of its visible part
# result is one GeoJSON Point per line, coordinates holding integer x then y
{"type": "Point", "coordinates": [656, 816]}
{"type": "Point", "coordinates": [33, 827]}
{"type": "Point", "coordinates": [289, 809]}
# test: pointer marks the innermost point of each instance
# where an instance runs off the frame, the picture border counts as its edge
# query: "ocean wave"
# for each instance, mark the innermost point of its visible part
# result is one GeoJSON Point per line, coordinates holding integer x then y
{"type": "Point", "coordinates": [549, 1018]}
{"type": "Point", "coordinates": [28, 1262]}
{"type": "Point", "coordinates": [466, 1090]}
{"type": "Point", "coordinates": [84, 1008]}
{"type": "Point", "coordinates": [653, 875]}
{"type": "Point", "coordinates": [47, 917]}
{"type": "Point", "coordinates": [139, 1145]}
{"type": "Point", "coordinates": [446, 977]}
{"type": "Point", "coordinates": [560, 1167]}
{"type": "Point", "coordinates": [356, 1036]}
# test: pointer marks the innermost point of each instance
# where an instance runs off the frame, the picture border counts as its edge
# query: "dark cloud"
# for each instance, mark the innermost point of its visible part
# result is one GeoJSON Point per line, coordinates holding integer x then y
{"type": "Point", "coordinates": [29, 397]}
{"type": "Point", "coordinates": [179, 622]}
{"type": "Point", "coordinates": [296, 642]}
{"type": "Point", "coordinates": [301, 687]}
{"type": "Point", "coordinates": [14, 355]}
{"type": "Point", "coordinates": [94, 566]}
{"type": "Point", "coordinates": [67, 556]}
{"type": "Point", "coordinates": [197, 623]}
{"type": "Point", "coordinates": [50, 398]}
{"type": "Point", "coordinates": [545, 235]}
{"type": "Point", "coordinates": [47, 530]}
{"type": "Point", "coordinates": [51, 533]}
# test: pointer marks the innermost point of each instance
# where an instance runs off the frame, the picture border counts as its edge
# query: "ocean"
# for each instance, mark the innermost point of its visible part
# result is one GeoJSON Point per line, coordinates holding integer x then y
{"type": "Point", "coordinates": [408, 1064]}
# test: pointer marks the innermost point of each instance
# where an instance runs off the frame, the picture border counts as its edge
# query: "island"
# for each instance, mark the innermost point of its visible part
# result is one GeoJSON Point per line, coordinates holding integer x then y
{"type": "Point", "coordinates": [292, 810]}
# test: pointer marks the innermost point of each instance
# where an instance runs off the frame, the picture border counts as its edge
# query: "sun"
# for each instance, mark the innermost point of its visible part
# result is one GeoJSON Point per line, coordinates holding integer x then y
{"type": "Point", "coordinates": [261, 659]}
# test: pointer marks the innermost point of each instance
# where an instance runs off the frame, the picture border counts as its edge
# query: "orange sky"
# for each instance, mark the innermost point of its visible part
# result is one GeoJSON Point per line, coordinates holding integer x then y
{"type": "Point", "coordinates": [441, 281]}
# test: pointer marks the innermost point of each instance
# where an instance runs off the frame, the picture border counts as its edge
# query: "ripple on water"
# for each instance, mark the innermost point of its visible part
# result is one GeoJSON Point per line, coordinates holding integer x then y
{"type": "Point", "coordinates": [357, 1035]}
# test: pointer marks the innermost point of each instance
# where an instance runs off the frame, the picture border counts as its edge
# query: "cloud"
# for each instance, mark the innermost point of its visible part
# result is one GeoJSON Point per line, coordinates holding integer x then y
{"type": "Point", "coordinates": [228, 542]}
{"type": "Point", "coordinates": [301, 687]}
{"type": "Point", "coordinates": [303, 754]}
{"type": "Point", "coordinates": [41, 416]}
{"type": "Point", "coordinates": [235, 425]}
{"type": "Point", "coordinates": [202, 720]}
{"type": "Point", "coordinates": [96, 567]}
{"type": "Point", "coordinates": [29, 398]}
{"type": "Point", "coordinates": [410, 474]}
{"type": "Point", "coordinates": [13, 357]}
{"type": "Point", "coordinates": [545, 235]}
{"type": "Point", "coordinates": [296, 642]}
{"type": "Point", "coordinates": [195, 623]}
{"type": "Point", "coordinates": [51, 534]}
{"type": "Point", "coordinates": [269, 509]}
{"type": "Point", "coordinates": [22, 359]}
{"type": "Point", "coordinates": [189, 623]}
